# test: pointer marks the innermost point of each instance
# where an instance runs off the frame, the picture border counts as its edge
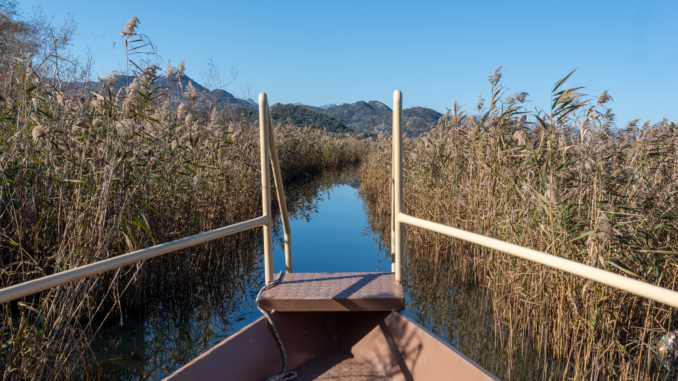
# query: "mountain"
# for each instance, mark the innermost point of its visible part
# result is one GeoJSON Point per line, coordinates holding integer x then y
{"type": "Point", "coordinates": [298, 116]}
{"type": "Point", "coordinates": [375, 117]}
{"type": "Point", "coordinates": [313, 108]}
{"type": "Point", "coordinates": [417, 120]}
{"type": "Point", "coordinates": [370, 116]}
{"type": "Point", "coordinates": [227, 99]}
{"type": "Point", "coordinates": [302, 116]}
{"type": "Point", "coordinates": [223, 97]}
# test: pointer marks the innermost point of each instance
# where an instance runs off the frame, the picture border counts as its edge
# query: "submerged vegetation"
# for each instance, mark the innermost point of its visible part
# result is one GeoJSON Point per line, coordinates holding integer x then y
{"type": "Point", "coordinates": [566, 182]}
{"type": "Point", "coordinates": [90, 173]}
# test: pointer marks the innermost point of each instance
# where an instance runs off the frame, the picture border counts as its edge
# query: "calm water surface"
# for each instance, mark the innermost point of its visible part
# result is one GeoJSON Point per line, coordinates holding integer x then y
{"type": "Point", "coordinates": [330, 233]}
{"type": "Point", "coordinates": [335, 239]}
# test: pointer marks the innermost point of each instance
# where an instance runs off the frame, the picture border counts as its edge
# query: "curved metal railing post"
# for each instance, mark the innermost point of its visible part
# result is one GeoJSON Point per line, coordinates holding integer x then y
{"type": "Point", "coordinates": [393, 263]}
{"type": "Point", "coordinates": [397, 147]}
{"type": "Point", "coordinates": [265, 187]}
{"type": "Point", "coordinates": [280, 191]}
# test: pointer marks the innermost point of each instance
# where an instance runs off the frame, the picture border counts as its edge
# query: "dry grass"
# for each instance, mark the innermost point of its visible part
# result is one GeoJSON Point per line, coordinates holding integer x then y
{"type": "Point", "coordinates": [85, 176]}
{"type": "Point", "coordinates": [569, 184]}
{"type": "Point", "coordinates": [182, 319]}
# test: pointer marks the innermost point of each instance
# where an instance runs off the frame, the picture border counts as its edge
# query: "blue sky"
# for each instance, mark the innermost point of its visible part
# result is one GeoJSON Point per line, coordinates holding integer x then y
{"type": "Point", "coordinates": [320, 52]}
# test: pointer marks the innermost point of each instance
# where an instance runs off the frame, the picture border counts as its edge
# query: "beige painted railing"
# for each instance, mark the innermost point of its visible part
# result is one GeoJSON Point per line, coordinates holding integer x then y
{"type": "Point", "coordinates": [267, 144]}
{"type": "Point", "coordinates": [399, 218]}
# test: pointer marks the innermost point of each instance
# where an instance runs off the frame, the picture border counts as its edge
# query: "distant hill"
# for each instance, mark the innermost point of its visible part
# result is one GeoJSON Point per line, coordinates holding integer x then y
{"type": "Point", "coordinates": [227, 99]}
{"type": "Point", "coordinates": [375, 117]}
{"type": "Point", "coordinates": [418, 120]}
{"type": "Point", "coordinates": [222, 97]}
{"type": "Point", "coordinates": [370, 116]}
{"type": "Point", "coordinates": [302, 116]}
{"type": "Point", "coordinates": [298, 116]}
{"type": "Point", "coordinates": [314, 109]}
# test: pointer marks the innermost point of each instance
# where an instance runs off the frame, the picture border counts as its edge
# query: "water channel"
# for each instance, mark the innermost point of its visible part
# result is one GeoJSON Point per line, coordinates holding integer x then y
{"type": "Point", "coordinates": [331, 233]}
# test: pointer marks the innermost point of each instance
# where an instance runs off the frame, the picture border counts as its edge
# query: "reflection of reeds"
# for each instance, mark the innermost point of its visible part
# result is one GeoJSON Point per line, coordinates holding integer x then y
{"type": "Point", "coordinates": [464, 317]}
{"type": "Point", "coordinates": [182, 318]}
{"type": "Point", "coordinates": [89, 175]}
{"type": "Point", "coordinates": [184, 312]}
{"type": "Point", "coordinates": [567, 183]}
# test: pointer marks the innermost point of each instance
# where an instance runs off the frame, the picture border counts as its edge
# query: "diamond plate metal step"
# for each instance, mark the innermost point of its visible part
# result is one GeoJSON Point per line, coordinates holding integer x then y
{"type": "Point", "coordinates": [335, 292]}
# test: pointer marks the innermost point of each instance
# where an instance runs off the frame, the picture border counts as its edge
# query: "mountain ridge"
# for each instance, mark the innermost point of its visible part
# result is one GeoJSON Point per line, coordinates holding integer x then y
{"type": "Point", "coordinates": [375, 117]}
{"type": "Point", "coordinates": [222, 97]}
{"type": "Point", "coordinates": [372, 117]}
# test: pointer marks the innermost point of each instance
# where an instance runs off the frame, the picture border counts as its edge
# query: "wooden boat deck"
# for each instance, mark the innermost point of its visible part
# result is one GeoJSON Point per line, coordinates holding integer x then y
{"type": "Point", "coordinates": [302, 292]}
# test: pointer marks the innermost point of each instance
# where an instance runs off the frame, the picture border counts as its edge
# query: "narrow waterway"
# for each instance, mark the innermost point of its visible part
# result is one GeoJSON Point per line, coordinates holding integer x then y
{"type": "Point", "coordinates": [330, 233]}
{"type": "Point", "coordinates": [334, 237]}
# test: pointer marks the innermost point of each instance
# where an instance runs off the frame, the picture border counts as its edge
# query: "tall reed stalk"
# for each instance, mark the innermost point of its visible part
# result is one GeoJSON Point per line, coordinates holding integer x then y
{"type": "Point", "coordinates": [91, 172]}
{"type": "Point", "coordinates": [563, 181]}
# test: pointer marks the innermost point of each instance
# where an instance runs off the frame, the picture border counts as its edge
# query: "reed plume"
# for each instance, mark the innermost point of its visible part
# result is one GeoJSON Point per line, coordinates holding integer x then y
{"type": "Point", "coordinates": [563, 181]}
{"type": "Point", "coordinates": [130, 27]}
{"type": "Point", "coordinates": [98, 172]}
{"type": "Point", "coordinates": [168, 72]}
{"type": "Point", "coordinates": [180, 69]}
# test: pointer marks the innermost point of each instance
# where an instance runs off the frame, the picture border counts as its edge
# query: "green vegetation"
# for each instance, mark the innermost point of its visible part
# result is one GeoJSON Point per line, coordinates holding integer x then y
{"type": "Point", "coordinates": [569, 184]}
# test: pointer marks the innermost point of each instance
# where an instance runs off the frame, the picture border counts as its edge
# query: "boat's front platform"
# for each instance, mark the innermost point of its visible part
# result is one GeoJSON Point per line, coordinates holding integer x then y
{"type": "Point", "coordinates": [301, 292]}
{"type": "Point", "coordinates": [339, 326]}
{"type": "Point", "coordinates": [334, 345]}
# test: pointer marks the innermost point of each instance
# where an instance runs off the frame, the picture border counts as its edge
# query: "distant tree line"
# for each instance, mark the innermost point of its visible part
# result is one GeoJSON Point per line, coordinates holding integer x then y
{"type": "Point", "coordinates": [298, 116]}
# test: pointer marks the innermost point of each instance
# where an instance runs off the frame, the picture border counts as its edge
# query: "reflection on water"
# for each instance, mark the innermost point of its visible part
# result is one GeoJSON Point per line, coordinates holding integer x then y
{"type": "Point", "coordinates": [464, 318]}
{"type": "Point", "coordinates": [196, 298]}
{"type": "Point", "coordinates": [182, 316]}
{"type": "Point", "coordinates": [177, 322]}
{"type": "Point", "coordinates": [334, 238]}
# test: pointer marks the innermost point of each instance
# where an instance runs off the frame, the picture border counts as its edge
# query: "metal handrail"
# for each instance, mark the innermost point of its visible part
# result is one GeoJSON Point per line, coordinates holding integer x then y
{"type": "Point", "coordinates": [267, 145]}
{"type": "Point", "coordinates": [280, 190]}
{"type": "Point", "coordinates": [398, 218]}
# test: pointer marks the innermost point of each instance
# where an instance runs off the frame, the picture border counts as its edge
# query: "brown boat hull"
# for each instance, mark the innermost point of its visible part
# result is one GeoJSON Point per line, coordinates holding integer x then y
{"type": "Point", "coordinates": [387, 344]}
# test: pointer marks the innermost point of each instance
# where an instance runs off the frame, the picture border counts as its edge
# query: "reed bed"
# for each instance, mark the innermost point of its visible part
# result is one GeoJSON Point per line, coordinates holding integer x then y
{"type": "Point", "coordinates": [174, 326]}
{"type": "Point", "coordinates": [464, 317]}
{"type": "Point", "coordinates": [564, 181]}
{"type": "Point", "coordinates": [88, 172]}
